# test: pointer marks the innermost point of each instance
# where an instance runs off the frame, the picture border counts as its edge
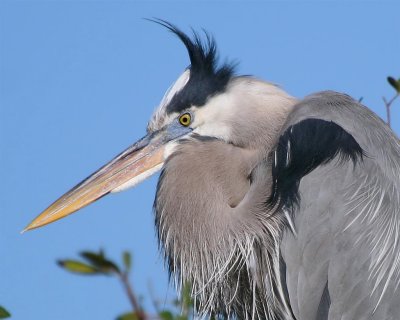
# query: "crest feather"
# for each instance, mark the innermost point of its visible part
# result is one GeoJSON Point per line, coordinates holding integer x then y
{"type": "Point", "coordinates": [206, 77]}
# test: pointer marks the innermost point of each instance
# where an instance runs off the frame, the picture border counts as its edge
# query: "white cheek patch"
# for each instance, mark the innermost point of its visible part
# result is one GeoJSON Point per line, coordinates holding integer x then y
{"type": "Point", "coordinates": [213, 118]}
{"type": "Point", "coordinates": [213, 130]}
{"type": "Point", "coordinates": [138, 179]}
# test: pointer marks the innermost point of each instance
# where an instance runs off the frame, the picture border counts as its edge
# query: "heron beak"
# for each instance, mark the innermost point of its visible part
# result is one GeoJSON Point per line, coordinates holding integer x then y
{"type": "Point", "coordinates": [136, 163]}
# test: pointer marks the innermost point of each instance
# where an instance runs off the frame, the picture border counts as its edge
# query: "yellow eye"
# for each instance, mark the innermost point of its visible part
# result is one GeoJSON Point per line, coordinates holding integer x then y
{"type": "Point", "coordinates": [185, 119]}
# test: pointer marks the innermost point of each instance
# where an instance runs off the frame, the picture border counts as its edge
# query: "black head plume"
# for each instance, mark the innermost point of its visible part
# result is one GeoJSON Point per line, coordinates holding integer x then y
{"type": "Point", "coordinates": [206, 77]}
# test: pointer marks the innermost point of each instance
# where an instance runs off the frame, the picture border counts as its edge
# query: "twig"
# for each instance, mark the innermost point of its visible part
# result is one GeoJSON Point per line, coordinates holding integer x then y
{"type": "Point", "coordinates": [132, 297]}
{"type": "Point", "coordinates": [388, 104]}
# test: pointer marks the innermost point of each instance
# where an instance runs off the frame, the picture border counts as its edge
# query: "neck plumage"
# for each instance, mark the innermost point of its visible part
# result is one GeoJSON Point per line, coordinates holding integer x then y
{"type": "Point", "coordinates": [216, 231]}
{"type": "Point", "coordinates": [214, 226]}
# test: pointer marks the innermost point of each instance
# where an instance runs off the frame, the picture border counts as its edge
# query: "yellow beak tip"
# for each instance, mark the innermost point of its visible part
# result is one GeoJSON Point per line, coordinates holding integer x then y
{"type": "Point", "coordinates": [28, 228]}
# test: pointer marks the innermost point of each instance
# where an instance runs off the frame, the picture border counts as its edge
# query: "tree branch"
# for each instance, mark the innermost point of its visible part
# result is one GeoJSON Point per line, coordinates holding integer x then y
{"type": "Point", "coordinates": [388, 104]}
{"type": "Point", "coordinates": [132, 297]}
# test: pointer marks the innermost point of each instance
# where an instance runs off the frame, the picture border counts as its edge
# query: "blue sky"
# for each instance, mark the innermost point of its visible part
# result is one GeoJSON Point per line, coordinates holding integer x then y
{"type": "Point", "coordinates": [78, 82]}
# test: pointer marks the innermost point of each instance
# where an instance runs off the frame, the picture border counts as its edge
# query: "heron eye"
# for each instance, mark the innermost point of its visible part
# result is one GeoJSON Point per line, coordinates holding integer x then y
{"type": "Point", "coordinates": [185, 119]}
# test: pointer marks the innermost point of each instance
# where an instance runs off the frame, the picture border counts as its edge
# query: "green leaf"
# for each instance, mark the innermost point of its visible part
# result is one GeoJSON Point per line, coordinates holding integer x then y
{"type": "Point", "coordinates": [394, 83]}
{"type": "Point", "coordinates": [128, 316]}
{"type": "Point", "coordinates": [99, 261]}
{"type": "Point", "coordinates": [126, 256]}
{"type": "Point", "coordinates": [166, 315]}
{"type": "Point", "coordinates": [77, 267]}
{"type": "Point", "coordinates": [4, 313]}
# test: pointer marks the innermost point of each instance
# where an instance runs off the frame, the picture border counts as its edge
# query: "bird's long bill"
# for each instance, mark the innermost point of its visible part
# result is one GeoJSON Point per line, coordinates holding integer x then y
{"type": "Point", "coordinates": [141, 159]}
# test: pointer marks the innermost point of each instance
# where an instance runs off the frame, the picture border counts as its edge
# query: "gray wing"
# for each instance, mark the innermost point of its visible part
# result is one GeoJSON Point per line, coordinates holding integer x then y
{"type": "Point", "coordinates": [343, 255]}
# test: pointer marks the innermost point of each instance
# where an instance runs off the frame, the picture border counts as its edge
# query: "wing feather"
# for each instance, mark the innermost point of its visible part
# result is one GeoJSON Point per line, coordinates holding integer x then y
{"type": "Point", "coordinates": [337, 172]}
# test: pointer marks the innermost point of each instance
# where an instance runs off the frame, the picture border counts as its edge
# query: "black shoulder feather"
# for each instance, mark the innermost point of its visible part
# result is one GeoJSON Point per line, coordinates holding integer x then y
{"type": "Point", "coordinates": [303, 147]}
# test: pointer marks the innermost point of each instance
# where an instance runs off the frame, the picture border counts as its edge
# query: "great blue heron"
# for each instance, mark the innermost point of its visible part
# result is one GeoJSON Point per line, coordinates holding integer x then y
{"type": "Point", "coordinates": [271, 207]}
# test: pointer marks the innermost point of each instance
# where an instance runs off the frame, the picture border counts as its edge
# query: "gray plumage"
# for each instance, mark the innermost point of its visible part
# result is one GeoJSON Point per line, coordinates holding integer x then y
{"type": "Point", "coordinates": [347, 226]}
{"type": "Point", "coordinates": [342, 258]}
{"type": "Point", "coordinates": [270, 207]}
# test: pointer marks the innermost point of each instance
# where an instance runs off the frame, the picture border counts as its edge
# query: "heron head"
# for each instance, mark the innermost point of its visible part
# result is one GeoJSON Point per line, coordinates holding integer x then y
{"type": "Point", "coordinates": [207, 99]}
